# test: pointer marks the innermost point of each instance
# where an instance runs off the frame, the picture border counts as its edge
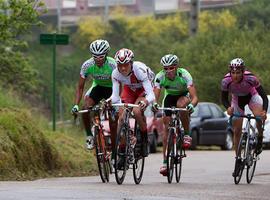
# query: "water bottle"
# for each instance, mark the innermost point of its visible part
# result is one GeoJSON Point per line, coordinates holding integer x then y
{"type": "Point", "coordinates": [252, 141]}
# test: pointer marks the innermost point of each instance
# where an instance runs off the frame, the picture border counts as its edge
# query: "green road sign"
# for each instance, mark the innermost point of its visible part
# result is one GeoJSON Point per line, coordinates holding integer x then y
{"type": "Point", "coordinates": [53, 39]}
{"type": "Point", "coordinates": [58, 39]}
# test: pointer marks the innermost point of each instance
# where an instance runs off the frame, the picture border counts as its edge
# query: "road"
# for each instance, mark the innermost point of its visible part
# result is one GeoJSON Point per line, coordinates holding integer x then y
{"type": "Point", "coordinates": [206, 175]}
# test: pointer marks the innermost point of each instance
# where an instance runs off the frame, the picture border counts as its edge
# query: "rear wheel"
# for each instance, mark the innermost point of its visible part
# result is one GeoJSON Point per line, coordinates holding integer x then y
{"type": "Point", "coordinates": [102, 159]}
{"type": "Point", "coordinates": [121, 155]}
{"type": "Point", "coordinates": [170, 156]}
{"type": "Point", "coordinates": [239, 163]}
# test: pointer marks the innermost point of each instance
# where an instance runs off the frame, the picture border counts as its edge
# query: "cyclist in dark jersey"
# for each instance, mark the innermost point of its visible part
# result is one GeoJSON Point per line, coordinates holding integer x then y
{"type": "Point", "coordinates": [245, 89]}
{"type": "Point", "coordinates": [99, 68]}
{"type": "Point", "coordinates": [179, 92]}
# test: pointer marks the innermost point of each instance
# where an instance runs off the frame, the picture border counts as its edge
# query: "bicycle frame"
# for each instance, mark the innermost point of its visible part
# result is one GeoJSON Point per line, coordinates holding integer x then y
{"type": "Point", "coordinates": [247, 143]}
{"type": "Point", "coordinates": [103, 152]}
{"type": "Point", "coordinates": [174, 150]}
{"type": "Point", "coordinates": [124, 135]}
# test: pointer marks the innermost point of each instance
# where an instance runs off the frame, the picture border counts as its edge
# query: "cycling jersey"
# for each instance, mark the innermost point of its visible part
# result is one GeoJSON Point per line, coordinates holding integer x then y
{"type": "Point", "coordinates": [247, 86]}
{"type": "Point", "coordinates": [140, 77]}
{"type": "Point", "coordinates": [101, 75]}
{"type": "Point", "coordinates": [246, 92]}
{"type": "Point", "coordinates": [178, 86]}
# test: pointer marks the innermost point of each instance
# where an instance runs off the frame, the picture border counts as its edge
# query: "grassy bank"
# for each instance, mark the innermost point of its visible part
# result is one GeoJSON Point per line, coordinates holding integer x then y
{"type": "Point", "coordinates": [29, 151]}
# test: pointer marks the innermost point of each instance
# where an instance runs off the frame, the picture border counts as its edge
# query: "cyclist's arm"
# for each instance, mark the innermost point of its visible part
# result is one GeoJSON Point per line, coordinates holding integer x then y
{"type": "Point", "coordinates": [193, 95]}
{"type": "Point", "coordinates": [115, 91]}
{"type": "Point", "coordinates": [157, 93]}
{"type": "Point", "coordinates": [225, 99]}
{"type": "Point", "coordinates": [79, 91]}
{"type": "Point", "coordinates": [150, 96]}
{"type": "Point", "coordinates": [261, 92]}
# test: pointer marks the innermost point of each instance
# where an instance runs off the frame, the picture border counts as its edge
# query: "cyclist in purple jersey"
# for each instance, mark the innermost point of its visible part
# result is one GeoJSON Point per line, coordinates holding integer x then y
{"type": "Point", "coordinates": [245, 89]}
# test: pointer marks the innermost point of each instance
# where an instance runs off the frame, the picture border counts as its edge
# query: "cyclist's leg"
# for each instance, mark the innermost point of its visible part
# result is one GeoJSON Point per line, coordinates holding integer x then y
{"type": "Point", "coordinates": [256, 107]}
{"type": "Point", "coordinates": [88, 102]}
{"type": "Point", "coordinates": [166, 121]}
{"type": "Point", "coordinates": [128, 96]}
{"type": "Point", "coordinates": [168, 101]}
{"type": "Point", "coordinates": [238, 103]}
{"type": "Point", "coordinates": [92, 97]}
{"type": "Point", "coordinates": [141, 120]}
{"type": "Point", "coordinates": [182, 102]}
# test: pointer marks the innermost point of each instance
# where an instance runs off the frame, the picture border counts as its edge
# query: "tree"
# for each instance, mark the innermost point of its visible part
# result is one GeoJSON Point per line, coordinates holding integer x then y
{"type": "Point", "coordinates": [16, 19]}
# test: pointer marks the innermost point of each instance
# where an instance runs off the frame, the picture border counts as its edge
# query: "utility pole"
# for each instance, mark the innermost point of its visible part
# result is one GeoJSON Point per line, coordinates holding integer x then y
{"type": "Point", "coordinates": [194, 16]}
{"type": "Point", "coordinates": [106, 11]}
{"type": "Point", "coordinates": [59, 7]}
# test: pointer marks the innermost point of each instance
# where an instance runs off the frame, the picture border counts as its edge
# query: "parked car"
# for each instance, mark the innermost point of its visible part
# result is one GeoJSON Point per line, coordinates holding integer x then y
{"type": "Point", "coordinates": [209, 126]}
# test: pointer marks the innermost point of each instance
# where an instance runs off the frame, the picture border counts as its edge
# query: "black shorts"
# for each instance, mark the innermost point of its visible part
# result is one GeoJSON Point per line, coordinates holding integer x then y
{"type": "Point", "coordinates": [171, 101]}
{"type": "Point", "coordinates": [99, 92]}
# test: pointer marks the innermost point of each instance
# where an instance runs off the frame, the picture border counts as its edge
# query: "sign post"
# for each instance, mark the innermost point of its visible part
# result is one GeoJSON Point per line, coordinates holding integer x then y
{"type": "Point", "coordinates": [54, 39]}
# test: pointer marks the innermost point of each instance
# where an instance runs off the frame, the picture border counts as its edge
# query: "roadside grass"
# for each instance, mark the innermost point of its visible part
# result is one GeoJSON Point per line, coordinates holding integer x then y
{"type": "Point", "coordinates": [29, 150]}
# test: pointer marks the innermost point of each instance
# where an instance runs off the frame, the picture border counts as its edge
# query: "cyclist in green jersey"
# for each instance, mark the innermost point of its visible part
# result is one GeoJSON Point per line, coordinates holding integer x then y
{"type": "Point", "coordinates": [99, 68]}
{"type": "Point", "coordinates": [179, 92]}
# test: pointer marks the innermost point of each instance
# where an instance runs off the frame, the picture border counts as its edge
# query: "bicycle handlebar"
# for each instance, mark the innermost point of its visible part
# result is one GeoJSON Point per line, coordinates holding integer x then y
{"type": "Point", "coordinates": [248, 116]}
{"type": "Point", "coordinates": [173, 109]}
{"type": "Point", "coordinates": [125, 105]}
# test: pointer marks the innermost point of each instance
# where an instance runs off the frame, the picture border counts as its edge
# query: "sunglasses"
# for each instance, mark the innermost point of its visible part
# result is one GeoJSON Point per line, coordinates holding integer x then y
{"type": "Point", "coordinates": [169, 68]}
{"type": "Point", "coordinates": [99, 57]}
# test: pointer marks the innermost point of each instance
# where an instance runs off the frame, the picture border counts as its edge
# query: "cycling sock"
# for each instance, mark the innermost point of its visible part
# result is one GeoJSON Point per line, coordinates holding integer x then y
{"type": "Point", "coordinates": [187, 133]}
{"type": "Point", "coordinates": [165, 162]}
{"type": "Point", "coordinates": [88, 132]}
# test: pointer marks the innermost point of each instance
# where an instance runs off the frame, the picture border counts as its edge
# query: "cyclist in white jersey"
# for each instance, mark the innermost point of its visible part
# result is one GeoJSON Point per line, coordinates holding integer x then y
{"type": "Point", "coordinates": [136, 79]}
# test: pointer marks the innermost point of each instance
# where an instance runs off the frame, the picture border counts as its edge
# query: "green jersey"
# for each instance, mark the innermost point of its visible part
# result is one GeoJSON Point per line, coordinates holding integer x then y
{"type": "Point", "coordinates": [101, 75]}
{"type": "Point", "coordinates": [178, 86]}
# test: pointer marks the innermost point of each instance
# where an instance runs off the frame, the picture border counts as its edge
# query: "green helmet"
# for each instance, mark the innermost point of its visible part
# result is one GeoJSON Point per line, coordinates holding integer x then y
{"type": "Point", "coordinates": [169, 60]}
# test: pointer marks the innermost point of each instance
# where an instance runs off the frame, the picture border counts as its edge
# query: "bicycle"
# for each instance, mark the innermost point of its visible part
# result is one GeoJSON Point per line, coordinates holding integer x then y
{"type": "Point", "coordinates": [102, 142]}
{"type": "Point", "coordinates": [246, 150]}
{"type": "Point", "coordinates": [174, 150]}
{"type": "Point", "coordinates": [127, 154]}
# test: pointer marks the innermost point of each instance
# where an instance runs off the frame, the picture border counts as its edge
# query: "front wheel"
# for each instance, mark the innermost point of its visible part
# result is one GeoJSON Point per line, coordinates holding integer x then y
{"type": "Point", "coordinates": [170, 156]}
{"type": "Point", "coordinates": [101, 155]}
{"type": "Point", "coordinates": [121, 155]}
{"type": "Point", "coordinates": [251, 165]}
{"type": "Point", "coordinates": [239, 162]}
{"type": "Point", "coordinates": [179, 158]}
{"type": "Point", "coordinates": [138, 168]}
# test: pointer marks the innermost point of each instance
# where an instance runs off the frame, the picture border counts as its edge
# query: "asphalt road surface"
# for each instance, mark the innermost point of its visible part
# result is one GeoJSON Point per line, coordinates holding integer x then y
{"type": "Point", "coordinates": [206, 175]}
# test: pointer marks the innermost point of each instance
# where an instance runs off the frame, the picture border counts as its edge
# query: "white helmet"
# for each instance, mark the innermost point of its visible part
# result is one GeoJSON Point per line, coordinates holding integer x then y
{"type": "Point", "coordinates": [99, 47]}
{"type": "Point", "coordinates": [169, 60]}
{"type": "Point", "coordinates": [237, 63]}
{"type": "Point", "coordinates": [124, 56]}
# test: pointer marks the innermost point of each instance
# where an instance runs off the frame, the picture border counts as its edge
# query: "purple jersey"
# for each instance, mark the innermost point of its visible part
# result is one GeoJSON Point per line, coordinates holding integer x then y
{"type": "Point", "coordinates": [247, 86]}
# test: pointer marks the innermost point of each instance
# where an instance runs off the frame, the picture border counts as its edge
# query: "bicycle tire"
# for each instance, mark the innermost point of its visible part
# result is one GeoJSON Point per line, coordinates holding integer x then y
{"type": "Point", "coordinates": [179, 158]}
{"type": "Point", "coordinates": [239, 167]}
{"type": "Point", "coordinates": [138, 166]}
{"type": "Point", "coordinates": [103, 162]}
{"type": "Point", "coordinates": [251, 168]}
{"type": "Point", "coordinates": [170, 156]}
{"type": "Point", "coordinates": [121, 153]}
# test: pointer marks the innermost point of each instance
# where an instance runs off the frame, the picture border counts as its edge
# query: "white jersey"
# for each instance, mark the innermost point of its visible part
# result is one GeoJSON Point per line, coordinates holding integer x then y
{"type": "Point", "coordinates": [140, 76]}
